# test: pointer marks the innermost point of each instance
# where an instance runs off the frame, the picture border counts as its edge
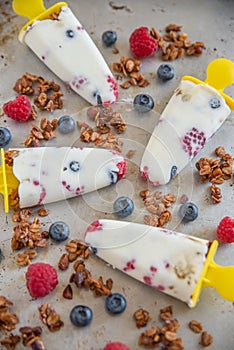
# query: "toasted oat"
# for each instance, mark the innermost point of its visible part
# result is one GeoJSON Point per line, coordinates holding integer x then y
{"type": "Point", "coordinates": [31, 337]}
{"type": "Point", "coordinates": [68, 293]}
{"type": "Point", "coordinates": [10, 342]}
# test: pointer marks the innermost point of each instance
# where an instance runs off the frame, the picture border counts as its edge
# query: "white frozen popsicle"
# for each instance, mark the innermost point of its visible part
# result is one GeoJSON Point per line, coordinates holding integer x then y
{"type": "Point", "coordinates": [176, 264]}
{"type": "Point", "coordinates": [49, 174]}
{"type": "Point", "coordinates": [192, 116]}
{"type": "Point", "coordinates": [66, 48]}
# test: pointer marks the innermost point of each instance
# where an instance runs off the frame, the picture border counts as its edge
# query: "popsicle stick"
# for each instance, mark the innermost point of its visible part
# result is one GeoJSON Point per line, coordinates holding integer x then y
{"type": "Point", "coordinates": [3, 181]}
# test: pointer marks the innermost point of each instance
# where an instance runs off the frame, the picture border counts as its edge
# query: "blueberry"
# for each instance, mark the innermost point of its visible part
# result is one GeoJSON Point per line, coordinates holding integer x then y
{"type": "Point", "coordinates": [59, 231]}
{"type": "Point", "coordinates": [143, 103]}
{"type": "Point", "coordinates": [70, 33]}
{"type": "Point", "coordinates": [215, 102]}
{"type": "Point", "coordinates": [165, 72]}
{"type": "Point", "coordinates": [115, 303]}
{"type": "Point", "coordinates": [81, 315]}
{"type": "Point", "coordinates": [66, 124]}
{"type": "Point", "coordinates": [74, 166]}
{"type": "Point", "coordinates": [188, 211]}
{"type": "Point", "coordinates": [114, 177]}
{"type": "Point", "coordinates": [123, 206]}
{"type": "Point", "coordinates": [5, 136]}
{"type": "Point", "coordinates": [109, 37]}
{"type": "Point", "coordinates": [173, 171]}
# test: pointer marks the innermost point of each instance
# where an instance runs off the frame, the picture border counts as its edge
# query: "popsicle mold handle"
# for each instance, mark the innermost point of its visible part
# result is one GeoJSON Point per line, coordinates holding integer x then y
{"type": "Point", "coordinates": [34, 10]}
{"type": "Point", "coordinates": [28, 8]}
{"type": "Point", "coordinates": [222, 279]}
{"type": "Point", "coordinates": [8, 181]}
{"type": "Point", "coordinates": [3, 181]}
{"type": "Point", "coordinates": [219, 75]}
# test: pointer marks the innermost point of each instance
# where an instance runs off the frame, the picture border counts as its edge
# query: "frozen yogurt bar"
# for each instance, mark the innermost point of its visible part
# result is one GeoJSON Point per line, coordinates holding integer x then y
{"type": "Point", "coordinates": [171, 262]}
{"type": "Point", "coordinates": [49, 174]}
{"type": "Point", "coordinates": [192, 116]}
{"type": "Point", "coordinates": [62, 43]}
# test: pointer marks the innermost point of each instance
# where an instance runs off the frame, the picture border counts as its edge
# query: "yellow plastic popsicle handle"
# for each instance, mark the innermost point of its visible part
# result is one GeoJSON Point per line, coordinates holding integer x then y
{"type": "Point", "coordinates": [219, 277]}
{"type": "Point", "coordinates": [34, 10]}
{"type": "Point", "coordinates": [8, 181]}
{"type": "Point", "coordinates": [219, 75]}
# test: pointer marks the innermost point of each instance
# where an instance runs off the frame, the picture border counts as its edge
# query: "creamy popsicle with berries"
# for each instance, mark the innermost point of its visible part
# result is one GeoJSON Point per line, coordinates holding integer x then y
{"type": "Point", "coordinates": [59, 40]}
{"type": "Point", "coordinates": [192, 116]}
{"type": "Point", "coordinates": [48, 174]}
{"type": "Point", "coordinates": [171, 262]}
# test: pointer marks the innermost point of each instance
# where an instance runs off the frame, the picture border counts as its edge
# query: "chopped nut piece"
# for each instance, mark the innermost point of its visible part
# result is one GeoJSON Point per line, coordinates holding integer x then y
{"type": "Point", "coordinates": [68, 293]}
{"type": "Point", "coordinates": [166, 313]}
{"type": "Point", "coordinates": [195, 326]}
{"type": "Point", "coordinates": [206, 339]}
{"type": "Point", "coordinates": [63, 262]}
{"type": "Point", "coordinates": [43, 212]}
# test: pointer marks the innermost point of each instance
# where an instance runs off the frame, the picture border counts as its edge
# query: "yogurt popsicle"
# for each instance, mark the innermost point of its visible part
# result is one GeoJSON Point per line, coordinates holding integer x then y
{"type": "Point", "coordinates": [192, 116]}
{"type": "Point", "coordinates": [62, 43]}
{"type": "Point", "coordinates": [176, 264]}
{"type": "Point", "coordinates": [49, 174]}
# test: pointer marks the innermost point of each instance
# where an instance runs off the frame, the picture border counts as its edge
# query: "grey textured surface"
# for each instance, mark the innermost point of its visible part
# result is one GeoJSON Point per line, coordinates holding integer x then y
{"type": "Point", "coordinates": [211, 21]}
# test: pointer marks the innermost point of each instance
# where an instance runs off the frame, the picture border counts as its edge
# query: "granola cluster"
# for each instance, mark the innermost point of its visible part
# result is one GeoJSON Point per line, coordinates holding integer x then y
{"type": "Point", "coordinates": [27, 233]}
{"type": "Point", "coordinates": [129, 68]}
{"type": "Point", "coordinates": [216, 171]}
{"type": "Point", "coordinates": [106, 123]}
{"type": "Point", "coordinates": [175, 44]}
{"type": "Point", "coordinates": [165, 336]}
{"type": "Point", "coordinates": [50, 317]}
{"type": "Point", "coordinates": [8, 320]}
{"type": "Point", "coordinates": [43, 132]}
{"type": "Point", "coordinates": [47, 93]}
{"type": "Point", "coordinates": [31, 336]}
{"type": "Point", "coordinates": [157, 205]}
{"type": "Point", "coordinates": [81, 276]}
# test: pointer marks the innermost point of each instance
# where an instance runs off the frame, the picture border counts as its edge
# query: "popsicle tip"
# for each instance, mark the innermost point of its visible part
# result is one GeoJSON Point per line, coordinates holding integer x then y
{"type": "Point", "coordinates": [220, 73]}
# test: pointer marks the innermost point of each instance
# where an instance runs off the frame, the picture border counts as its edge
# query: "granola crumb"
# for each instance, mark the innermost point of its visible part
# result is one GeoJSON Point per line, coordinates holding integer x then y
{"type": "Point", "coordinates": [206, 339]}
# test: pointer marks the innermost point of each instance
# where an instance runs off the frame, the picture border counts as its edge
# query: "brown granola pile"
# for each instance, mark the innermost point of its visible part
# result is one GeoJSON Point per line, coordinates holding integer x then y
{"type": "Point", "coordinates": [47, 93]}
{"type": "Point", "coordinates": [27, 233]}
{"type": "Point", "coordinates": [81, 277]}
{"type": "Point", "coordinates": [129, 68]}
{"type": "Point", "coordinates": [8, 320]}
{"type": "Point", "coordinates": [106, 122]}
{"type": "Point", "coordinates": [175, 44]}
{"type": "Point", "coordinates": [165, 336]}
{"type": "Point", "coordinates": [216, 171]}
{"type": "Point", "coordinates": [157, 204]}
{"type": "Point", "coordinates": [43, 132]}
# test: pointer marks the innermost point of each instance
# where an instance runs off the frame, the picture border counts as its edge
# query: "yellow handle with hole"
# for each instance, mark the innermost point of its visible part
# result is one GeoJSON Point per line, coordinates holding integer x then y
{"type": "Point", "coordinates": [34, 10]}
{"type": "Point", "coordinates": [219, 75]}
{"type": "Point", "coordinates": [219, 277]}
{"type": "Point", "coordinates": [8, 181]}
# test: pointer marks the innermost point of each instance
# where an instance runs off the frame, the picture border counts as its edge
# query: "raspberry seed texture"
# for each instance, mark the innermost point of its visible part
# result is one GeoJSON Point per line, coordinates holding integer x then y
{"type": "Point", "coordinates": [225, 230]}
{"type": "Point", "coordinates": [142, 44]}
{"type": "Point", "coordinates": [41, 279]}
{"type": "Point", "coordinates": [19, 109]}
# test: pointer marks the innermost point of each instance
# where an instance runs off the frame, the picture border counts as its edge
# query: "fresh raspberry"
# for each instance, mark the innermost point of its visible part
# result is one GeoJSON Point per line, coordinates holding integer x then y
{"type": "Point", "coordinates": [19, 109]}
{"type": "Point", "coordinates": [41, 279]}
{"type": "Point", "coordinates": [142, 44]}
{"type": "Point", "coordinates": [225, 230]}
{"type": "Point", "coordinates": [116, 346]}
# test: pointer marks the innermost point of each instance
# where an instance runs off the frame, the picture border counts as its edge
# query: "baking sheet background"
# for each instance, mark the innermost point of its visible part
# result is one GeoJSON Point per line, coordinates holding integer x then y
{"type": "Point", "coordinates": [210, 21]}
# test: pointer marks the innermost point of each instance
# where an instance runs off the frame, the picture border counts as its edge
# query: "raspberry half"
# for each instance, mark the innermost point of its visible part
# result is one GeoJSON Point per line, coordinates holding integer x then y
{"type": "Point", "coordinates": [225, 230]}
{"type": "Point", "coordinates": [19, 109]}
{"type": "Point", "coordinates": [142, 44]}
{"type": "Point", "coordinates": [41, 279]}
